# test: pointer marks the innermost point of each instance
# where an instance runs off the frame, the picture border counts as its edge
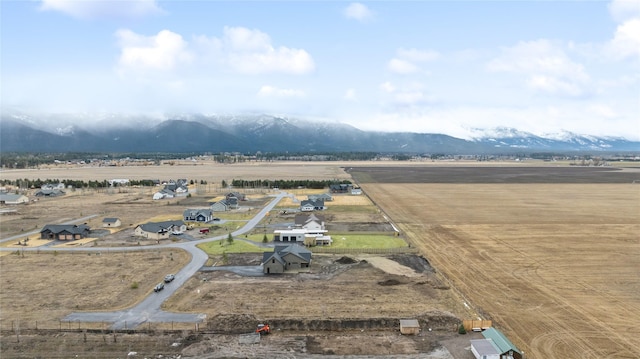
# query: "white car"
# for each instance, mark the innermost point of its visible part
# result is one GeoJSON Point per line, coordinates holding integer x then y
{"type": "Point", "coordinates": [176, 233]}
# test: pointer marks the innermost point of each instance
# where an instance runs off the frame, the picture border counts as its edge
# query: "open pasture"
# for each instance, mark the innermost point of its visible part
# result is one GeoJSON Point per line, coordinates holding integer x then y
{"type": "Point", "coordinates": [554, 265]}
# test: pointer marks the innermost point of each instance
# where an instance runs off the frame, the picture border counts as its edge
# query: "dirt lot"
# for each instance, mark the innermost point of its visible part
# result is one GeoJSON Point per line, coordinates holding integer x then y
{"type": "Point", "coordinates": [554, 265]}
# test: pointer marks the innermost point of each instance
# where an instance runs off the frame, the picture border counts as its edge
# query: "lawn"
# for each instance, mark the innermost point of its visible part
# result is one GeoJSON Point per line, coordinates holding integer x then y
{"type": "Point", "coordinates": [349, 240]}
{"type": "Point", "coordinates": [220, 247]}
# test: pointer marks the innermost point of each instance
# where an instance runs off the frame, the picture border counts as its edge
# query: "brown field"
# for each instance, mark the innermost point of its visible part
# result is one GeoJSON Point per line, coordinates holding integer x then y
{"type": "Point", "coordinates": [555, 266]}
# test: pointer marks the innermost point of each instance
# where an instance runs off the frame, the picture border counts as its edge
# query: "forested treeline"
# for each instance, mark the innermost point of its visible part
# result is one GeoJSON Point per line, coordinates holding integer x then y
{"type": "Point", "coordinates": [283, 184]}
{"type": "Point", "coordinates": [37, 183]}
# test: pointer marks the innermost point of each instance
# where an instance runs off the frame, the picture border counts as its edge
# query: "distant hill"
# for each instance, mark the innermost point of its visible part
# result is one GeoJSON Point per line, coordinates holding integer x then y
{"type": "Point", "coordinates": [252, 133]}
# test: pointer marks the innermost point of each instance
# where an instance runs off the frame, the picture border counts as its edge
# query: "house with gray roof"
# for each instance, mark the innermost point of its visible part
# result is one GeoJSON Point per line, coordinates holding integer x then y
{"type": "Point", "coordinates": [47, 192]}
{"type": "Point", "coordinates": [159, 230]}
{"type": "Point", "coordinates": [12, 198]}
{"type": "Point", "coordinates": [65, 232]}
{"type": "Point", "coordinates": [197, 215]}
{"type": "Point", "coordinates": [310, 222]}
{"type": "Point", "coordinates": [286, 258]}
{"type": "Point", "coordinates": [309, 205]}
{"type": "Point", "coordinates": [323, 197]}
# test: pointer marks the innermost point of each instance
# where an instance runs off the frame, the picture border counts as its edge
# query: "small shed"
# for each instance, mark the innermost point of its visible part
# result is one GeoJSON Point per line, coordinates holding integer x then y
{"type": "Point", "coordinates": [409, 327]}
{"type": "Point", "coordinates": [111, 222]}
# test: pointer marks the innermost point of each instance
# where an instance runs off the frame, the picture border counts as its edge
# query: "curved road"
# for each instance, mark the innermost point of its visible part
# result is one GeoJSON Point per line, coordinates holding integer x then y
{"type": "Point", "coordinates": [148, 310]}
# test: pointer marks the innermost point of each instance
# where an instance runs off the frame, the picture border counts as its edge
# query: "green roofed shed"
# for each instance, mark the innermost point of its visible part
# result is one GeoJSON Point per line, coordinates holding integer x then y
{"type": "Point", "coordinates": [502, 343]}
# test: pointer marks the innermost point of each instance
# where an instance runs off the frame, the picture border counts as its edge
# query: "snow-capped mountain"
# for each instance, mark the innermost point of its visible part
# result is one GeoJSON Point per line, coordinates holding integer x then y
{"type": "Point", "coordinates": [266, 133]}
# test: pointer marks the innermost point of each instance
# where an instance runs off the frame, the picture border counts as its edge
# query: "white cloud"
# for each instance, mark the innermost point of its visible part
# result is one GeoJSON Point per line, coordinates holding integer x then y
{"type": "Point", "coordinates": [350, 95]}
{"type": "Point", "coordinates": [416, 55]}
{"type": "Point", "coordinates": [251, 52]}
{"type": "Point", "coordinates": [406, 60]}
{"type": "Point", "coordinates": [626, 41]}
{"type": "Point", "coordinates": [622, 10]}
{"type": "Point", "coordinates": [271, 91]}
{"type": "Point", "coordinates": [387, 87]}
{"type": "Point", "coordinates": [92, 9]}
{"type": "Point", "coordinates": [358, 12]}
{"type": "Point", "coordinates": [545, 65]}
{"type": "Point", "coordinates": [402, 67]}
{"type": "Point", "coordinates": [160, 52]}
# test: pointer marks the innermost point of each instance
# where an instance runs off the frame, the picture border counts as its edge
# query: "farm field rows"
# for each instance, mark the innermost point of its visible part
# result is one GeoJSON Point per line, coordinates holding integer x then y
{"type": "Point", "coordinates": [555, 266]}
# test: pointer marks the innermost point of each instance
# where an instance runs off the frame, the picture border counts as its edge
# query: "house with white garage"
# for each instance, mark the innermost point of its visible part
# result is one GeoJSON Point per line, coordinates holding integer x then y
{"type": "Point", "coordinates": [159, 230]}
{"type": "Point", "coordinates": [197, 215]}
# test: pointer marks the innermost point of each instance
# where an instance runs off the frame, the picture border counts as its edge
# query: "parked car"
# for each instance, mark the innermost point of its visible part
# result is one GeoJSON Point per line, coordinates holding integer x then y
{"type": "Point", "coordinates": [216, 219]}
{"type": "Point", "coordinates": [176, 233]}
{"type": "Point", "coordinates": [204, 230]}
{"type": "Point", "coordinates": [169, 278]}
{"type": "Point", "coordinates": [159, 287]}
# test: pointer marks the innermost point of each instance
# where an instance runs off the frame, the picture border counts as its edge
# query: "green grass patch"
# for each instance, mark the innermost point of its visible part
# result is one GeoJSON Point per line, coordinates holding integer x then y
{"type": "Point", "coordinates": [346, 240]}
{"type": "Point", "coordinates": [235, 247]}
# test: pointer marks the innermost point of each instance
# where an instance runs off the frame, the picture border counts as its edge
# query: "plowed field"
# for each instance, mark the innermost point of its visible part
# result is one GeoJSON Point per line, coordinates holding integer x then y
{"type": "Point", "coordinates": [556, 266]}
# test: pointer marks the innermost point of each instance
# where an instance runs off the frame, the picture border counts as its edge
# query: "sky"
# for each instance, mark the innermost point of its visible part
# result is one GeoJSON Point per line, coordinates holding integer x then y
{"type": "Point", "coordinates": [420, 66]}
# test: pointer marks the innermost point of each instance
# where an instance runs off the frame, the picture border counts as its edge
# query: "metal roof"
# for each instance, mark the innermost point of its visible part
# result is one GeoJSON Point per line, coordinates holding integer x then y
{"type": "Point", "coordinates": [500, 340]}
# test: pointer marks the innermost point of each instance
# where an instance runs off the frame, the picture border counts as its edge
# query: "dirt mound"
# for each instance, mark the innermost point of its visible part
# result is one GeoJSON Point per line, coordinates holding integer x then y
{"type": "Point", "coordinates": [418, 263]}
{"type": "Point", "coordinates": [390, 282]}
{"type": "Point", "coordinates": [346, 260]}
{"type": "Point", "coordinates": [232, 323]}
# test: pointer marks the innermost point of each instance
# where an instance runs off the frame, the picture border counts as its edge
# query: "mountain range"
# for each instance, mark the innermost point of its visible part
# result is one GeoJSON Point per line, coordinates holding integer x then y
{"type": "Point", "coordinates": [198, 133]}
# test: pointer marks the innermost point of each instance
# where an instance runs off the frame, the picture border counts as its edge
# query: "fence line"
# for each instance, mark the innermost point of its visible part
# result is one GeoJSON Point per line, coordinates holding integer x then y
{"type": "Point", "coordinates": [397, 250]}
{"type": "Point", "coordinates": [17, 327]}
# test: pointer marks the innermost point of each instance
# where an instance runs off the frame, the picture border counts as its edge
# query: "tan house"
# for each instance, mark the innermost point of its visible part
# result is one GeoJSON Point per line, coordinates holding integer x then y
{"type": "Point", "coordinates": [159, 230]}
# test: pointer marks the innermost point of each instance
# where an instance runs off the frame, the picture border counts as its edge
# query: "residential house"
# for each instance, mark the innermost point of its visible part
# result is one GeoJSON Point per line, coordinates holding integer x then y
{"type": "Point", "coordinates": [220, 206]}
{"type": "Point", "coordinates": [495, 345]}
{"type": "Point", "coordinates": [309, 205]}
{"type": "Point", "coordinates": [197, 215]}
{"type": "Point", "coordinates": [323, 197]}
{"type": "Point", "coordinates": [164, 193]}
{"type": "Point", "coordinates": [239, 196]}
{"type": "Point", "coordinates": [50, 186]}
{"type": "Point", "coordinates": [11, 198]}
{"type": "Point", "coordinates": [159, 230]}
{"type": "Point", "coordinates": [286, 258]}
{"type": "Point", "coordinates": [111, 222]}
{"type": "Point", "coordinates": [65, 231]}
{"type": "Point", "coordinates": [50, 193]}
{"type": "Point", "coordinates": [340, 188]}
{"type": "Point", "coordinates": [311, 222]}
{"type": "Point", "coordinates": [302, 236]}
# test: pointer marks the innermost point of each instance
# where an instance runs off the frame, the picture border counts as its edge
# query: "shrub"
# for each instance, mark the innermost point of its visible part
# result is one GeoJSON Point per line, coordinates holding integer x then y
{"type": "Point", "coordinates": [461, 329]}
{"type": "Point", "coordinates": [134, 285]}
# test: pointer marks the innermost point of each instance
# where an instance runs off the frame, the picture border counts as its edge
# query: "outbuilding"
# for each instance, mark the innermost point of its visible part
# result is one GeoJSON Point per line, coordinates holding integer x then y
{"type": "Point", "coordinates": [409, 327]}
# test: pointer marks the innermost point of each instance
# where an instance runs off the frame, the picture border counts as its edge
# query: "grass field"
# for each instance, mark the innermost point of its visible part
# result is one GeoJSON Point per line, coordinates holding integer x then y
{"type": "Point", "coordinates": [556, 266]}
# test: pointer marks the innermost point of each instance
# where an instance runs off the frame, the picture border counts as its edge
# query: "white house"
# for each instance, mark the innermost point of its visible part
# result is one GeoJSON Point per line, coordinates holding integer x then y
{"type": "Point", "coordinates": [10, 198]}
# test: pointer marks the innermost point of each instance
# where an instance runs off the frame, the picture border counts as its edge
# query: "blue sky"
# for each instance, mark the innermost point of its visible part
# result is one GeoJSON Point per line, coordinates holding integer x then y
{"type": "Point", "coordinates": [420, 66]}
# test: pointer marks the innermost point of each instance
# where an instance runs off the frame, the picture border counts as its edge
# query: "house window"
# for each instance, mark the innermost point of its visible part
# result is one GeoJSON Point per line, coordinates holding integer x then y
{"type": "Point", "coordinates": [273, 261]}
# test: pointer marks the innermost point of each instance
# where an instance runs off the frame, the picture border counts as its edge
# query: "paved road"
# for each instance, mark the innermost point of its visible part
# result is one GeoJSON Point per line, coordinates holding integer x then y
{"type": "Point", "coordinates": [149, 309]}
